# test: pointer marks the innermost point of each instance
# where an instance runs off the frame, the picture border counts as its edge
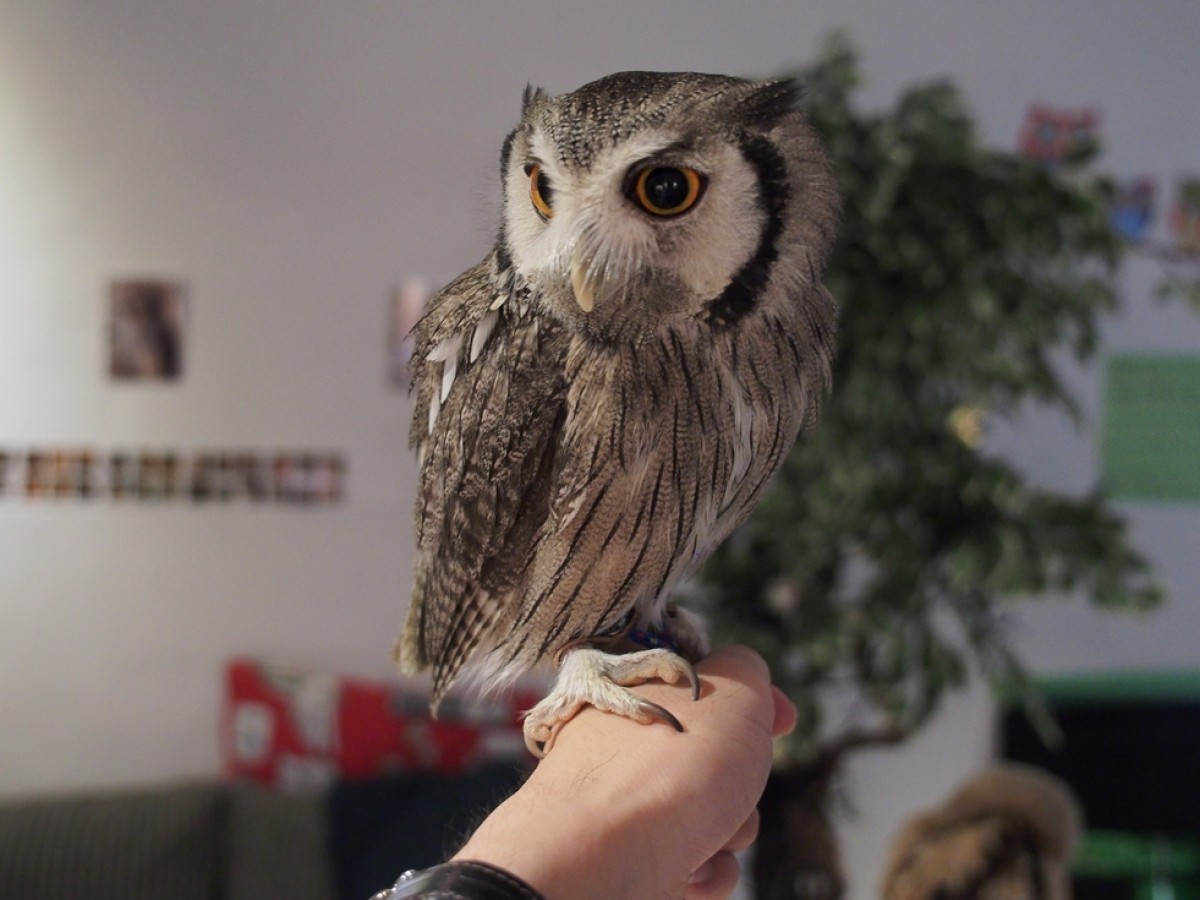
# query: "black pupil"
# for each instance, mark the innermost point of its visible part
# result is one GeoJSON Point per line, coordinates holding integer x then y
{"type": "Point", "coordinates": [666, 188]}
{"type": "Point", "coordinates": [543, 188]}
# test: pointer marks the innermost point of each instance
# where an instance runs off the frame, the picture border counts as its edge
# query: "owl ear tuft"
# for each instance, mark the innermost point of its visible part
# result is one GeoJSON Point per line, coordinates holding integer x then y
{"type": "Point", "coordinates": [769, 101]}
{"type": "Point", "coordinates": [531, 98]}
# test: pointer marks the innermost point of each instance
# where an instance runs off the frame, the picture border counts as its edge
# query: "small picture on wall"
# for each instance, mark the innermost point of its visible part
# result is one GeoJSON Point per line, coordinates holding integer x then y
{"type": "Point", "coordinates": [1132, 210]}
{"type": "Point", "coordinates": [146, 330]}
{"type": "Point", "coordinates": [408, 303]}
{"type": "Point", "coordinates": [1185, 216]}
{"type": "Point", "coordinates": [7, 470]}
{"type": "Point", "coordinates": [1052, 135]}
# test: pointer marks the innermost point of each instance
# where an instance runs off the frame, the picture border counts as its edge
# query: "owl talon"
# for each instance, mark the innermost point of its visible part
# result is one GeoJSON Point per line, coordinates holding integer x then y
{"type": "Point", "coordinates": [693, 681]}
{"type": "Point", "coordinates": [653, 709]}
{"type": "Point", "coordinates": [590, 677]}
{"type": "Point", "coordinates": [539, 746]}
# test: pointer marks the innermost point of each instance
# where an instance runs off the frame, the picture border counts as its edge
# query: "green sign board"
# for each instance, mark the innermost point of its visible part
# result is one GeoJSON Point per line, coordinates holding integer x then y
{"type": "Point", "coordinates": [1150, 446]}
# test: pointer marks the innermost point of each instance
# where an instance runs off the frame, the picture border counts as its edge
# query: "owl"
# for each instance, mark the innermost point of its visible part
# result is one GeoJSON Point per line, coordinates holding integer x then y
{"type": "Point", "coordinates": [602, 400]}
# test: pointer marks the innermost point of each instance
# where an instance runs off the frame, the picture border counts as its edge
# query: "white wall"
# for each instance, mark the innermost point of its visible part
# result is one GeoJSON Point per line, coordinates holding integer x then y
{"type": "Point", "coordinates": [292, 161]}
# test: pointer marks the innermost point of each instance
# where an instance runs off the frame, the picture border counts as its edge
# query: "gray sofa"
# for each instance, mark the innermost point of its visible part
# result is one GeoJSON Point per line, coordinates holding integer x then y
{"type": "Point", "coordinates": [214, 841]}
{"type": "Point", "coordinates": [189, 841]}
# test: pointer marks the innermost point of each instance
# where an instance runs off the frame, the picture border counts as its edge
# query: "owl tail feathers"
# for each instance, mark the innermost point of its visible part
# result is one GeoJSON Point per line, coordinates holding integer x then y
{"type": "Point", "coordinates": [411, 657]}
{"type": "Point", "coordinates": [408, 652]}
{"type": "Point", "coordinates": [411, 660]}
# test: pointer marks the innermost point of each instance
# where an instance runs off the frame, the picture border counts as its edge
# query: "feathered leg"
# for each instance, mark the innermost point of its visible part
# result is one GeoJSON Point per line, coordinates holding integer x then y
{"type": "Point", "coordinates": [588, 676]}
{"type": "Point", "coordinates": [600, 669]}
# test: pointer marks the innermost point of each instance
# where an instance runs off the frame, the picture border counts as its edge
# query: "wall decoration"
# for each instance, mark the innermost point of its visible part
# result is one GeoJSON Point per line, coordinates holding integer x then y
{"type": "Point", "coordinates": [146, 330]}
{"type": "Point", "coordinates": [158, 476]}
{"type": "Point", "coordinates": [1150, 445]}
{"type": "Point", "coordinates": [122, 476]}
{"type": "Point", "coordinates": [1052, 135]}
{"type": "Point", "coordinates": [39, 475]}
{"type": "Point", "coordinates": [1058, 136]}
{"type": "Point", "coordinates": [306, 478]}
{"type": "Point", "coordinates": [407, 305]}
{"type": "Point", "coordinates": [1132, 217]}
{"type": "Point", "coordinates": [1132, 212]}
{"type": "Point", "coordinates": [1185, 216]}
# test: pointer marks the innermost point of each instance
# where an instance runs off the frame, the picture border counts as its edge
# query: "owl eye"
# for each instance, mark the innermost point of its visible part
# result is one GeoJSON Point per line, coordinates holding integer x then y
{"type": "Point", "coordinates": [540, 191]}
{"type": "Point", "coordinates": [667, 190]}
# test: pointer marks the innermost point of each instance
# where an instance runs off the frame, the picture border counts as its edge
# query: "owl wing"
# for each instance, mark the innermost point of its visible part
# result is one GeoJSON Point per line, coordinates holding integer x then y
{"type": "Point", "coordinates": [490, 403]}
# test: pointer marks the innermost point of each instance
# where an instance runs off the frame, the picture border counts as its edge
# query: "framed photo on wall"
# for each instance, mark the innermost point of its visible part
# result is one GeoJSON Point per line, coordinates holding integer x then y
{"type": "Point", "coordinates": [146, 329]}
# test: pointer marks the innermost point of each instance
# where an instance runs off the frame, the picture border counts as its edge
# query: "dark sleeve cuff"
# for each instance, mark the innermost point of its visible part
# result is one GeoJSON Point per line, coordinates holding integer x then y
{"type": "Point", "coordinates": [460, 881]}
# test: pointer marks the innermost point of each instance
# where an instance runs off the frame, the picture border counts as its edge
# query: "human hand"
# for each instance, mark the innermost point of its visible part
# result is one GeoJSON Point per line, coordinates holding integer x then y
{"type": "Point", "coordinates": [619, 809]}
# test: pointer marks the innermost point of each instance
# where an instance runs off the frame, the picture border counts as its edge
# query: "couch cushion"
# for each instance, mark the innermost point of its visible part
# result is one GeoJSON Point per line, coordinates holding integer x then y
{"type": "Point", "coordinates": [278, 845]}
{"type": "Point", "coordinates": [379, 828]}
{"type": "Point", "coordinates": [150, 843]}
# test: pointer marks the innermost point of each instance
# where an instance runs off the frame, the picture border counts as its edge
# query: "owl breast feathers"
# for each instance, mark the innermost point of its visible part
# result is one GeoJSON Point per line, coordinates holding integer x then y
{"type": "Point", "coordinates": [601, 401]}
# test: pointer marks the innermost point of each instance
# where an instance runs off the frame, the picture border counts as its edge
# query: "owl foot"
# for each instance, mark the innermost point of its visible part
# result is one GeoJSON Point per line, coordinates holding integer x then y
{"type": "Point", "coordinates": [593, 677]}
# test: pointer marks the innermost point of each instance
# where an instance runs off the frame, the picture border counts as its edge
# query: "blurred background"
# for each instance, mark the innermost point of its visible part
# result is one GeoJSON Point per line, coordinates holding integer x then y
{"type": "Point", "coordinates": [287, 168]}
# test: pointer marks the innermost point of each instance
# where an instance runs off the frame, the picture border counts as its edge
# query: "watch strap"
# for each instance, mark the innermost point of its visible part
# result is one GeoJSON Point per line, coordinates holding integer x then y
{"type": "Point", "coordinates": [466, 880]}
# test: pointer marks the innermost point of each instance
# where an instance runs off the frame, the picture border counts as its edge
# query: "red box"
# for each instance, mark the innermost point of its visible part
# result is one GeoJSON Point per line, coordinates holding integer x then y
{"type": "Point", "coordinates": [289, 728]}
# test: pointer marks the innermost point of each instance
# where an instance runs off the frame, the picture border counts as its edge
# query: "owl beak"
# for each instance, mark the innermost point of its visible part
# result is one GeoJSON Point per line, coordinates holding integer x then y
{"type": "Point", "coordinates": [583, 283]}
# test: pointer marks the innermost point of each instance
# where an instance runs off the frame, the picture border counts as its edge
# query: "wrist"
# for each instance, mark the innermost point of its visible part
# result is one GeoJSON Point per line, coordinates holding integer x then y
{"type": "Point", "coordinates": [566, 840]}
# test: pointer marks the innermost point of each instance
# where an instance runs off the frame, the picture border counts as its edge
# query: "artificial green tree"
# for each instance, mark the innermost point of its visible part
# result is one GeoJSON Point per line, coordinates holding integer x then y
{"type": "Point", "coordinates": [887, 547]}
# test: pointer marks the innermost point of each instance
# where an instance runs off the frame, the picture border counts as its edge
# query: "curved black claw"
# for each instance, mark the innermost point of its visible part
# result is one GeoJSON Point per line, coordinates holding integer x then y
{"type": "Point", "coordinates": [693, 679]}
{"type": "Point", "coordinates": [660, 711]}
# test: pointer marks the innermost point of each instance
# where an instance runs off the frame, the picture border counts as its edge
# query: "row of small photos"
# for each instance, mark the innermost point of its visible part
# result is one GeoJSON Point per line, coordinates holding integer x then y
{"type": "Point", "coordinates": [302, 478]}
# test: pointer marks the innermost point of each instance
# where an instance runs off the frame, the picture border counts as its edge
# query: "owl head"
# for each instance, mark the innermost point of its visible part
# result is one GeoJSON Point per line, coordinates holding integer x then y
{"type": "Point", "coordinates": [647, 196]}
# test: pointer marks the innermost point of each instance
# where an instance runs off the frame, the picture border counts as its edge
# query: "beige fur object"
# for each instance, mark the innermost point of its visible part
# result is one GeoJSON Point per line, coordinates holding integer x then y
{"type": "Point", "coordinates": [1008, 833]}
